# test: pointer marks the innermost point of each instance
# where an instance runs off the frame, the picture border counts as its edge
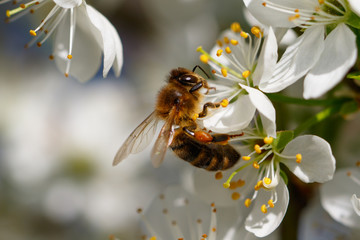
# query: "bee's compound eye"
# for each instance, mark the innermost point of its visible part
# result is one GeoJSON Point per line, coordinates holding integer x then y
{"type": "Point", "coordinates": [188, 79]}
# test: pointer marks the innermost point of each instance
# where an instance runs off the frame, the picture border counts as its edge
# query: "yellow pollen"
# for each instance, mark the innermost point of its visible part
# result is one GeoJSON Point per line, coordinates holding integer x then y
{"type": "Point", "coordinates": [246, 158]}
{"type": "Point", "coordinates": [195, 116]}
{"type": "Point", "coordinates": [256, 31]}
{"type": "Point", "coordinates": [69, 56]}
{"type": "Point", "coordinates": [235, 27]}
{"type": "Point", "coordinates": [248, 202]}
{"type": "Point", "coordinates": [271, 203]}
{"type": "Point", "coordinates": [246, 74]}
{"type": "Point", "coordinates": [213, 71]}
{"type": "Point", "coordinates": [212, 204]}
{"type": "Point", "coordinates": [8, 13]}
{"type": "Point", "coordinates": [244, 34]}
{"type": "Point", "coordinates": [219, 43]}
{"type": "Point", "coordinates": [258, 185]}
{"type": "Point", "coordinates": [226, 40]}
{"type": "Point", "coordinates": [224, 72]}
{"type": "Point", "coordinates": [218, 175]}
{"type": "Point", "coordinates": [235, 196]}
{"type": "Point", "coordinates": [257, 148]}
{"type": "Point", "coordinates": [204, 58]}
{"type": "Point", "coordinates": [224, 102]}
{"type": "Point", "coordinates": [263, 208]}
{"type": "Point", "coordinates": [298, 158]}
{"type": "Point", "coordinates": [226, 185]}
{"type": "Point", "coordinates": [234, 42]}
{"type": "Point", "coordinates": [219, 52]}
{"type": "Point", "coordinates": [268, 140]}
{"type": "Point", "coordinates": [256, 165]}
{"type": "Point", "coordinates": [228, 50]}
{"type": "Point", "coordinates": [153, 238]}
{"type": "Point", "coordinates": [312, 18]}
{"type": "Point", "coordinates": [267, 180]}
{"type": "Point", "coordinates": [32, 33]}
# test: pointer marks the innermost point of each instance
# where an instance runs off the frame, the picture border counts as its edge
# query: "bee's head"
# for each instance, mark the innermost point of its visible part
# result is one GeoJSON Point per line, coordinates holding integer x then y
{"type": "Point", "coordinates": [185, 77]}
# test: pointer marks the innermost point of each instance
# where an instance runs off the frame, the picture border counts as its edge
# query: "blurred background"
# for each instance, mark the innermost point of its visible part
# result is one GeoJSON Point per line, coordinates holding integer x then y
{"type": "Point", "coordinates": [58, 137]}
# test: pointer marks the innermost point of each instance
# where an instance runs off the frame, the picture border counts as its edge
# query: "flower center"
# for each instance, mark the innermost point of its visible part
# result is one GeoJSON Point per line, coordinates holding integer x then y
{"type": "Point", "coordinates": [321, 12]}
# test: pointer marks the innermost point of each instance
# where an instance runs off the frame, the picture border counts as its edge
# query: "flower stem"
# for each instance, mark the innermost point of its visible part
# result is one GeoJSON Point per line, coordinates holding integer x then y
{"type": "Point", "coordinates": [299, 101]}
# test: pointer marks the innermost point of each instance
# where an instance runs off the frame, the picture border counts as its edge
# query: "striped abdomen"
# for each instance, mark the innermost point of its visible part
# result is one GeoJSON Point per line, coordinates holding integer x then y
{"type": "Point", "coordinates": [210, 156]}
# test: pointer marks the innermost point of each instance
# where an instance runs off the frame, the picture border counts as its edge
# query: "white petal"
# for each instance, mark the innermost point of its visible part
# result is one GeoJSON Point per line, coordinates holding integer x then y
{"type": "Point", "coordinates": [355, 6]}
{"type": "Point", "coordinates": [337, 58]}
{"type": "Point", "coordinates": [236, 116]}
{"type": "Point", "coordinates": [297, 60]}
{"type": "Point", "coordinates": [262, 224]}
{"type": "Point", "coordinates": [317, 164]}
{"type": "Point", "coordinates": [110, 40]}
{"type": "Point", "coordinates": [335, 197]}
{"type": "Point", "coordinates": [267, 59]}
{"type": "Point", "coordinates": [86, 51]}
{"type": "Point", "coordinates": [265, 108]}
{"type": "Point", "coordinates": [356, 204]}
{"type": "Point", "coordinates": [68, 3]}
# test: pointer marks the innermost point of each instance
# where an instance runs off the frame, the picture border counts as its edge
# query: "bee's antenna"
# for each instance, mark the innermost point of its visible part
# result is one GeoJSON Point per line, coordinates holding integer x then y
{"type": "Point", "coordinates": [198, 66]}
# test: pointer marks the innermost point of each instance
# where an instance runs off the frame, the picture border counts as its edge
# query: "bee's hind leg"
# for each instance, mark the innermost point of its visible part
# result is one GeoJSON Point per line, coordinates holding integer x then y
{"type": "Point", "coordinates": [215, 105]}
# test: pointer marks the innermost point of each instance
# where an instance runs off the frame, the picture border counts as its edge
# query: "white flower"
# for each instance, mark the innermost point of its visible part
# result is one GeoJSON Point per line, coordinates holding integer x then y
{"type": "Point", "coordinates": [338, 48]}
{"type": "Point", "coordinates": [245, 71]}
{"type": "Point", "coordinates": [259, 180]}
{"type": "Point", "coordinates": [355, 6]}
{"type": "Point", "coordinates": [338, 197]}
{"type": "Point", "coordinates": [82, 36]}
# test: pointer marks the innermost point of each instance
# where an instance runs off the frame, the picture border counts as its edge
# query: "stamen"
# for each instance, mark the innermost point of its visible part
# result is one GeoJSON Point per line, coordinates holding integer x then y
{"type": "Point", "coordinates": [258, 185]}
{"type": "Point", "coordinates": [235, 27]}
{"type": "Point", "coordinates": [224, 72]}
{"type": "Point", "coordinates": [226, 40]}
{"type": "Point", "coordinates": [32, 33]}
{"type": "Point", "coordinates": [224, 102]}
{"type": "Point", "coordinates": [234, 42]}
{"type": "Point", "coordinates": [268, 140]}
{"type": "Point", "coordinates": [256, 165]}
{"type": "Point", "coordinates": [228, 50]}
{"type": "Point", "coordinates": [263, 208]}
{"type": "Point", "coordinates": [257, 148]}
{"type": "Point", "coordinates": [69, 56]}
{"type": "Point", "coordinates": [267, 180]}
{"type": "Point", "coordinates": [271, 203]}
{"type": "Point", "coordinates": [226, 184]}
{"type": "Point", "coordinates": [256, 31]}
{"type": "Point", "coordinates": [246, 74]}
{"type": "Point", "coordinates": [204, 58]}
{"type": "Point", "coordinates": [244, 34]}
{"type": "Point", "coordinates": [218, 175]}
{"type": "Point", "coordinates": [219, 52]}
{"type": "Point", "coordinates": [219, 43]}
{"type": "Point", "coordinates": [153, 238]}
{"type": "Point", "coordinates": [298, 158]}
{"type": "Point", "coordinates": [235, 196]}
{"type": "Point", "coordinates": [246, 158]}
{"type": "Point", "coordinates": [247, 202]}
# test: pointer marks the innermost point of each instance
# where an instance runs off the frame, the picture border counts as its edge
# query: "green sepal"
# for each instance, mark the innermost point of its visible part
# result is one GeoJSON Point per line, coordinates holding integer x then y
{"type": "Point", "coordinates": [354, 75]}
{"type": "Point", "coordinates": [282, 139]}
{"type": "Point", "coordinates": [349, 108]}
{"type": "Point", "coordinates": [284, 177]}
{"type": "Point", "coordinates": [353, 20]}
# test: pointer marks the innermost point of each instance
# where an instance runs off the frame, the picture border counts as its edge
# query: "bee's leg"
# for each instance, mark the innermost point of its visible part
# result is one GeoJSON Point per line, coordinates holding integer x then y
{"type": "Point", "coordinates": [208, 88]}
{"type": "Point", "coordinates": [207, 105]}
{"type": "Point", "coordinates": [224, 138]}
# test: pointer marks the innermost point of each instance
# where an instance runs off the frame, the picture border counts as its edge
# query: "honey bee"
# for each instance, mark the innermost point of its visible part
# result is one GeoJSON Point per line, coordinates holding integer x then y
{"type": "Point", "coordinates": [179, 104]}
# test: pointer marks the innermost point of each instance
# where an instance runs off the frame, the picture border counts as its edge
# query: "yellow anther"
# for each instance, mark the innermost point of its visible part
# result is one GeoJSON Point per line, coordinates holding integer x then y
{"type": "Point", "coordinates": [234, 42]}
{"type": "Point", "coordinates": [358, 164]}
{"type": "Point", "coordinates": [219, 43]}
{"type": "Point", "coordinates": [321, 1]}
{"type": "Point", "coordinates": [69, 56]}
{"type": "Point", "coordinates": [294, 17]}
{"type": "Point", "coordinates": [348, 173]}
{"type": "Point", "coordinates": [246, 74]}
{"type": "Point", "coordinates": [224, 102]}
{"type": "Point", "coordinates": [240, 183]}
{"type": "Point", "coordinates": [228, 50]}
{"type": "Point", "coordinates": [8, 13]}
{"type": "Point", "coordinates": [257, 148]}
{"type": "Point", "coordinates": [213, 229]}
{"type": "Point", "coordinates": [267, 180]}
{"type": "Point", "coordinates": [235, 196]}
{"type": "Point", "coordinates": [246, 158]}
{"type": "Point", "coordinates": [204, 236]}
{"type": "Point", "coordinates": [226, 40]}
{"type": "Point", "coordinates": [256, 31]}
{"type": "Point", "coordinates": [235, 27]}
{"type": "Point", "coordinates": [51, 57]}
{"type": "Point", "coordinates": [213, 71]}
{"type": "Point", "coordinates": [66, 74]}
{"type": "Point", "coordinates": [218, 175]}
{"type": "Point", "coordinates": [153, 238]}
{"type": "Point", "coordinates": [258, 185]}
{"type": "Point", "coordinates": [32, 33]}
{"type": "Point", "coordinates": [195, 116]}
{"type": "Point", "coordinates": [244, 34]}
{"type": "Point", "coordinates": [248, 202]}
{"type": "Point", "coordinates": [226, 185]}
{"type": "Point", "coordinates": [263, 208]}
{"type": "Point", "coordinates": [271, 203]}
{"type": "Point", "coordinates": [268, 140]}
{"type": "Point", "coordinates": [264, 4]}
{"type": "Point", "coordinates": [296, 10]}
{"type": "Point", "coordinates": [233, 185]}
{"type": "Point", "coordinates": [204, 58]}
{"type": "Point", "coordinates": [256, 165]}
{"type": "Point", "coordinates": [219, 52]}
{"type": "Point", "coordinates": [298, 158]}
{"type": "Point", "coordinates": [224, 72]}
{"type": "Point", "coordinates": [22, 6]}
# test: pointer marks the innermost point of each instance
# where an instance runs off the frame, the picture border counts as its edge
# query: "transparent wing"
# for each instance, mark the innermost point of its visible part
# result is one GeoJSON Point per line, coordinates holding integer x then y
{"type": "Point", "coordinates": [164, 139]}
{"type": "Point", "coordinates": [138, 139]}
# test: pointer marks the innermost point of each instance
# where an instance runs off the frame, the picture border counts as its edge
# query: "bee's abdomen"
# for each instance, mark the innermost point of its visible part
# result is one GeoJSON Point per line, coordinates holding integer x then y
{"type": "Point", "coordinates": [210, 156]}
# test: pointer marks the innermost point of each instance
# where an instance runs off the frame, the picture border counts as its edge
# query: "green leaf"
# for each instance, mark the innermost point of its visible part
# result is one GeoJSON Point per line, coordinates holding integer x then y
{"type": "Point", "coordinates": [284, 176]}
{"type": "Point", "coordinates": [348, 108]}
{"type": "Point", "coordinates": [354, 75]}
{"type": "Point", "coordinates": [282, 138]}
{"type": "Point", "coordinates": [353, 20]}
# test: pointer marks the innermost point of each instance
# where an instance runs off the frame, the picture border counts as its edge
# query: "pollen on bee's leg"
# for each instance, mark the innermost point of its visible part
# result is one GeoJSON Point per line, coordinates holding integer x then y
{"type": "Point", "coordinates": [195, 116]}
{"type": "Point", "coordinates": [224, 102]}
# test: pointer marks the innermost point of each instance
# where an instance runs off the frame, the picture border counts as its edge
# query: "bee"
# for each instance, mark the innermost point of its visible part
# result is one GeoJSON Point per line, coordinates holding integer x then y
{"type": "Point", "coordinates": [179, 105]}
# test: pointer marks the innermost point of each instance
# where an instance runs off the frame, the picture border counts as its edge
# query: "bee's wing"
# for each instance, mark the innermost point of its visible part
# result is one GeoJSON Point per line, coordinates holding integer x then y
{"type": "Point", "coordinates": [138, 139]}
{"type": "Point", "coordinates": [164, 139]}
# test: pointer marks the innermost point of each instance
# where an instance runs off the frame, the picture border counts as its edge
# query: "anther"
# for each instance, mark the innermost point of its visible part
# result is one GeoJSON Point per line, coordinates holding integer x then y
{"type": "Point", "coordinates": [246, 74]}
{"type": "Point", "coordinates": [219, 52]}
{"type": "Point", "coordinates": [234, 42]}
{"type": "Point", "coordinates": [296, 10]}
{"type": "Point", "coordinates": [195, 116]}
{"type": "Point", "coordinates": [213, 229]}
{"type": "Point", "coordinates": [204, 236]}
{"type": "Point", "coordinates": [358, 163]}
{"type": "Point", "coordinates": [256, 165]}
{"type": "Point", "coordinates": [244, 34]}
{"type": "Point", "coordinates": [32, 33]}
{"type": "Point", "coordinates": [38, 44]}
{"type": "Point", "coordinates": [111, 237]}
{"type": "Point", "coordinates": [204, 58]}
{"type": "Point", "coordinates": [235, 27]}
{"type": "Point", "coordinates": [213, 71]}
{"type": "Point", "coordinates": [224, 102]}
{"type": "Point", "coordinates": [246, 158]}
{"type": "Point", "coordinates": [267, 180]}
{"type": "Point", "coordinates": [226, 40]}
{"type": "Point", "coordinates": [256, 31]}
{"type": "Point", "coordinates": [247, 202]}
{"type": "Point", "coordinates": [298, 158]}
{"type": "Point", "coordinates": [22, 6]}
{"type": "Point", "coordinates": [8, 13]}
{"type": "Point", "coordinates": [271, 203]}
{"type": "Point", "coordinates": [268, 140]}
{"type": "Point", "coordinates": [153, 238]}
{"type": "Point", "coordinates": [258, 185]}
{"type": "Point", "coordinates": [233, 185]}
{"type": "Point", "coordinates": [240, 183]}
{"type": "Point", "coordinates": [66, 75]}
{"type": "Point", "coordinates": [224, 72]}
{"type": "Point", "coordinates": [264, 4]}
{"type": "Point", "coordinates": [226, 185]}
{"type": "Point", "coordinates": [257, 148]}
{"type": "Point", "coordinates": [235, 196]}
{"type": "Point", "coordinates": [69, 56]}
{"type": "Point", "coordinates": [294, 17]}
{"type": "Point", "coordinates": [321, 1]}
{"type": "Point", "coordinates": [263, 208]}
{"type": "Point", "coordinates": [219, 43]}
{"type": "Point", "coordinates": [139, 210]}
{"type": "Point", "coordinates": [218, 175]}
{"type": "Point", "coordinates": [348, 174]}
{"type": "Point", "coordinates": [228, 50]}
